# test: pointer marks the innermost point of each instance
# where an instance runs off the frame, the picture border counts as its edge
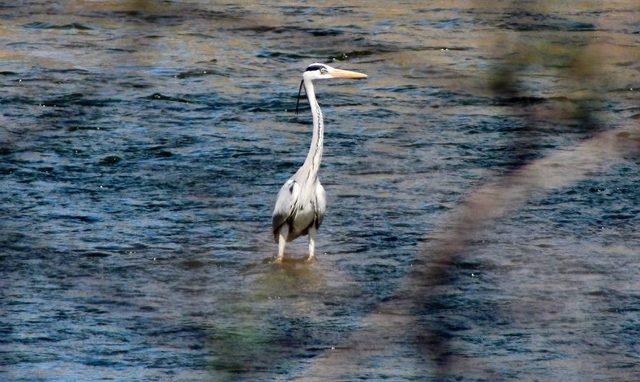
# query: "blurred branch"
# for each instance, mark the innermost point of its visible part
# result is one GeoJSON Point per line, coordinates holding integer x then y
{"type": "Point", "coordinates": [388, 324]}
{"type": "Point", "coordinates": [581, 83]}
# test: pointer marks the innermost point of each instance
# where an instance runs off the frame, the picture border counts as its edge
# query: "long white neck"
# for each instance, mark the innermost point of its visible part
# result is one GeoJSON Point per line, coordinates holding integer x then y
{"type": "Point", "coordinates": [315, 150]}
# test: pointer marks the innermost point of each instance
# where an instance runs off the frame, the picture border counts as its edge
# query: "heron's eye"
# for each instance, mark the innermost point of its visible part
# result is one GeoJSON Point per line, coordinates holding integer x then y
{"type": "Point", "coordinates": [323, 71]}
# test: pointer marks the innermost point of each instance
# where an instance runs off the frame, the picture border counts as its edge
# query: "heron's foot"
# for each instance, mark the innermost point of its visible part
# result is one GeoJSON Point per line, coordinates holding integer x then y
{"type": "Point", "coordinates": [278, 259]}
{"type": "Point", "coordinates": [311, 259]}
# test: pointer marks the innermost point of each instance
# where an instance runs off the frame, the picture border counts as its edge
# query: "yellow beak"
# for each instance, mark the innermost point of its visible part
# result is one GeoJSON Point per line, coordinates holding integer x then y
{"type": "Point", "coordinates": [339, 73]}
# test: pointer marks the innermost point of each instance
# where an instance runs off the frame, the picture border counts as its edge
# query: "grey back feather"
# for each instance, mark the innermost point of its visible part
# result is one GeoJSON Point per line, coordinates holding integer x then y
{"type": "Point", "coordinates": [285, 205]}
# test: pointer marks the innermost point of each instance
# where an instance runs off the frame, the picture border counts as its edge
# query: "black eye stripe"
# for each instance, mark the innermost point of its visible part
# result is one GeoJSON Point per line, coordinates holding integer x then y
{"type": "Point", "coordinates": [314, 67]}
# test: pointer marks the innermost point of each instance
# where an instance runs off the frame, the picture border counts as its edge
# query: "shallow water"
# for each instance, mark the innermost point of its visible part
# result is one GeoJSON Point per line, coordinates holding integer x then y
{"type": "Point", "coordinates": [142, 147]}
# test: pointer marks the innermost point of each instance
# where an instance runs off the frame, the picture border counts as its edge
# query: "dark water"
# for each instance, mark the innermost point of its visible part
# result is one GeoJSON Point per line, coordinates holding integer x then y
{"type": "Point", "coordinates": [142, 146]}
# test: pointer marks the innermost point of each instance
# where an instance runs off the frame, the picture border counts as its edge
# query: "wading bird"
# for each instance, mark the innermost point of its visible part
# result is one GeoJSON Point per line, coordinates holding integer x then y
{"type": "Point", "coordinates": [301, 201]}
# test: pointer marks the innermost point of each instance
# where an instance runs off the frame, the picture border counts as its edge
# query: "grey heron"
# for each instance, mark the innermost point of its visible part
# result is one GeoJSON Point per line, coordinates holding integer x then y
{"type": "Point", "coordinates": [301, 202]}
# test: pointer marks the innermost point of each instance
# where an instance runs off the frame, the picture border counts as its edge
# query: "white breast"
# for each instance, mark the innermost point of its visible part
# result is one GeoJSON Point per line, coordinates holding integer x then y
{"type": "Point", "coordinates": [305, 214]}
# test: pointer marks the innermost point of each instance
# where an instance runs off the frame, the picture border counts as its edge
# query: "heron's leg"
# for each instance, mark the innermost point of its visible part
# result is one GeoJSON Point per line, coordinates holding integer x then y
{"type": "Point", "coordinates": [312, 243]}
{"type": "Point", "coordinates": [282, 240]}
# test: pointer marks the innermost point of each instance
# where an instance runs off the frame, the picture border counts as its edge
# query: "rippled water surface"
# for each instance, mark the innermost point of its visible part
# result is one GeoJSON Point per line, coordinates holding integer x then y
{"type": "Point", "coordinates": [142, 145]}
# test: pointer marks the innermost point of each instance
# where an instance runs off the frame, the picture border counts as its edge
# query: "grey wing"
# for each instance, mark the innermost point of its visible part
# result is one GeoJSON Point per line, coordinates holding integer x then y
{"type": "Point", "coordinates": [287, 198]}
{"type": "Point", "coordinates": [321, 204]}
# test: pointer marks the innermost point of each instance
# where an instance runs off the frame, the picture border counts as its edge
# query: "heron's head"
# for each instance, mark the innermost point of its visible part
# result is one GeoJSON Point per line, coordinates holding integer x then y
{"type": "Point", "coordinates": [322, 71]}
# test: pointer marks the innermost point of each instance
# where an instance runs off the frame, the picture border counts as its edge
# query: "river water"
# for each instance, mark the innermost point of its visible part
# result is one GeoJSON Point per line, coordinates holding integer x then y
{"type": "Point", "coordinates": [142, 145]}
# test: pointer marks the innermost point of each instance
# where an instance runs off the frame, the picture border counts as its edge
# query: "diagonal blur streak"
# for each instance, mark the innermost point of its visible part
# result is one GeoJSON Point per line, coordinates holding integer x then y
{"type": "Point", "coordinates": [386, 326]}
